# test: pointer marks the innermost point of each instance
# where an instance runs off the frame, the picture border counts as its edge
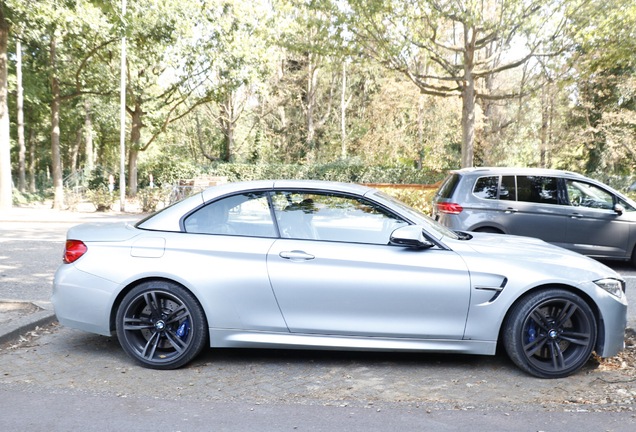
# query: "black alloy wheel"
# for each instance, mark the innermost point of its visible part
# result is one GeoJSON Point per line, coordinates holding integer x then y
{"type": "Point", "coordinates": [161, 325]}
{"type": "Point", "coordinates": [550, 333]}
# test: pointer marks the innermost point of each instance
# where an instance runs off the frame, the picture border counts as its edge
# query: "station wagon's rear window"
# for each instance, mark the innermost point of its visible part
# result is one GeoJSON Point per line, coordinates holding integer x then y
{"type": "Point", "coordinates": [486, 187]}
{"type": "Point", "coordinates": [448, 187]}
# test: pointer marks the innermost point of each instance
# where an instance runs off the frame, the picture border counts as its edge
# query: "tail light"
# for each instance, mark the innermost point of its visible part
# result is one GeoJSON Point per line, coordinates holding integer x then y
{"type": "Point", "coordinates": [449, 208]}
{"type": "Point", "coordinates": [73, 250]}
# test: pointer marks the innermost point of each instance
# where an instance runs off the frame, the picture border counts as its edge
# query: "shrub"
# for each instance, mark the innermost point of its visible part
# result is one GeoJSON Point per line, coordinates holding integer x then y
{"type": "Point", "coordinates": [101, 198]}
{"type": "Point", "coordinates": [417, 198]}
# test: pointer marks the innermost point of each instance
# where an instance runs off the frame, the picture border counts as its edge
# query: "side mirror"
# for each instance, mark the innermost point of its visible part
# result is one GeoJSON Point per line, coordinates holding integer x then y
{"type": "Point", "coordinates": [410, 236]}
{"type": "Point", "coordinates": [619, 209]}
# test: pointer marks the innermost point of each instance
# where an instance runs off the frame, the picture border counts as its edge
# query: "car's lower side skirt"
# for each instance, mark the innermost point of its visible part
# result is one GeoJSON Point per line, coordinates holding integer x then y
{"type": "Point", "coordinates": [224, 338]}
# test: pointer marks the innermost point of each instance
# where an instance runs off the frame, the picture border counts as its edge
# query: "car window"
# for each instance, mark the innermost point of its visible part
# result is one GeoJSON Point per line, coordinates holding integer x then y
{"type": "Point", "coordinates": [537, 189]}
{"type": "Point", "coordinates": [332, 217]}
{"type": "Point", "coordinates": [582, 194]}
{"type": "Point", "coordinates": [628, 207]}
{"type": "Point", "coordinates": [245, 214]}
{"type": "Point", "coordinates": [508, 190]}
{"type": "Point", "coordinates": [448, 187]}
{"type": "Point", "coordinates": [486, 187]}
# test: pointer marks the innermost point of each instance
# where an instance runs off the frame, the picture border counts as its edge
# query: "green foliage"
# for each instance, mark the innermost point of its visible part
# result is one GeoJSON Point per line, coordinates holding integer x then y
{"type": "Point", "coordinates": [168, 171]}
{"type": "Point", "coordinates": [101, 198]}
{"type": "Point", "coordinates": [338, 171]}
{"type": "Point", "coordinates": [27, 197]}
{"type": "Point", "coordinates": [150, 198]}
{"type": "Point", "coordinates": [417, 198]}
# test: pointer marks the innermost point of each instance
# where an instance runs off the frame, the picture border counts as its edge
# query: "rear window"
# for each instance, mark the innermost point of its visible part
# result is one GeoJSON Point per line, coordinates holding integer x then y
{"type": "Point", "coordinates": [486, 187]}
{"type": "Point", "coordinates": [448, 187]}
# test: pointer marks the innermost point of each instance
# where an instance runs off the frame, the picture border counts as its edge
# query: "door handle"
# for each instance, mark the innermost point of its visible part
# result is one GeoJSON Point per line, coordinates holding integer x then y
{"type": "Point", "coordinates": [296, 255]}
{"type": "Point", "coordinates": [511, 210]}
{"type": "Point", "coordinates": [576, 215]}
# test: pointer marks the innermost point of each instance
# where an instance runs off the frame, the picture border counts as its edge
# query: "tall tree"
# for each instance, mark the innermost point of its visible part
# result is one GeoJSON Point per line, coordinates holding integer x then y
{"type": "Point", "coordinates": [466, 40]}
{"type": "Point", "coordinates": [5, 143]}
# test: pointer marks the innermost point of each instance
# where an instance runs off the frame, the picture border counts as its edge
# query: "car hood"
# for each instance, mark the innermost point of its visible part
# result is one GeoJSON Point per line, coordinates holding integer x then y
{"type": "Point", "coordinates": [538, 255]}
{"type": "Point", "coordinates": [102, 232]}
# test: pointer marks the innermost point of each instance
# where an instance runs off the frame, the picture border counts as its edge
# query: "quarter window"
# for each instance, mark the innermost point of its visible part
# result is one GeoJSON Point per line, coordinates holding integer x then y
{"type": "Point", "coordinates": [486, 187]}
{"type": "Point", "coordinates": [246, 215]}
{"type": "Point", "coordinates": [332, 217]}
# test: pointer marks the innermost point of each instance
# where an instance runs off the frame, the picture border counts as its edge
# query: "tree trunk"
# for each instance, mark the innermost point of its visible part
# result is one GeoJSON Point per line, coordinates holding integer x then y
{"type": "Point", "coordinates": [32, 186]}
{"type": "Point", "coordinates": [311, 102]}
{"type": "Point", "coordinates": [420, 132]}
{"type": "Point", "coordinates": [5, 143]}
{"type": "Point", "coordinates": [468, 100]}
{"type": "Point", "coordinates": [58, 200]}
{"type": "Point", "coordinates": [75, 151]}
{"type": "Point", "coordinates": [88, 131]}
{"type": "Point", "coordinates": [226, 122]}
{"type": "Point", "coordinates": [343, 108]}
{"type": "Point", "coordinates": [20, 107]}
{"type": "Point", "coordinates": [135, 137]}
{"type": "Point", "coordinates": [544, 126]}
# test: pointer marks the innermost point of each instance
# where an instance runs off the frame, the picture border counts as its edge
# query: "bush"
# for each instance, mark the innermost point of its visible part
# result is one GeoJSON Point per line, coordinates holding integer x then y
{"type": "Point", "coordinates": [343, 171]}
{"type": "Point", "coordinates": [150, 198]}
{"type": "Point", "coordinates": [18, 197]}
{"type": "Point", "coordinates": [101, 198]}
{"type": "Point", "coordinates": [417, 198]}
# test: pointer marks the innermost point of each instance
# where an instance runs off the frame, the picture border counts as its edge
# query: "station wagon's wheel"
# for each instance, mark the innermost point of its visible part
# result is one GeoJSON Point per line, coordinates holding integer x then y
{"type": "Point", "coordinates": [550, 333]}
{"type": "Point", "coordinates": [161, 325]}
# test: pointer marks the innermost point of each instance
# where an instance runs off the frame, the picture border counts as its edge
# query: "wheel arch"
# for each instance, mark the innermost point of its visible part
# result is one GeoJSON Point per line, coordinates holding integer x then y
{"type": "Point", "coordinates": [600, 326]}
{"type": "Point", "coordinates": [489, 228]}
{"type": "Point", "coordinates": [132, 285]}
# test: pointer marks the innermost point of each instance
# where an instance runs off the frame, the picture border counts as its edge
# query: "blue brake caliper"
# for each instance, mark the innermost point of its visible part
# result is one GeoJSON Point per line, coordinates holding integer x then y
{"type": "Point", "coordinates": [183, 330]}
{"type": "Point", "coordinates": [531, 332]}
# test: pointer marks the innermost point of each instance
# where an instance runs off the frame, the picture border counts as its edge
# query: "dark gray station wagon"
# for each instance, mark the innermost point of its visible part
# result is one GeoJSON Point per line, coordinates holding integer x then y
{"type": "Point", "coordinates": [560, 207]}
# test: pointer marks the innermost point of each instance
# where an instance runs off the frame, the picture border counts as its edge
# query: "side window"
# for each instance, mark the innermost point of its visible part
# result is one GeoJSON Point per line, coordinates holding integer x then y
{"type": "Point", "coordinates": [627, 207]}
{"type": "Point", "coordinates": [582, 194]}
{"type": "Point", "coordinates": [332, 217]}
{"type": "Point", "coordinates": [486, 187]}
{"type": "Point", "coordinates": [508, 190]}
{"type": "Point", "coordinates": [537, 189]}
{"type": "Point", "coordinates": [244, 215]}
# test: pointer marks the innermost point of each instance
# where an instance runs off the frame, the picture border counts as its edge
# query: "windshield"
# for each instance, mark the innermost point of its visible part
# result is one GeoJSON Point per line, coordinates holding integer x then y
{"type": "Point", "coordinates": [431, 226]}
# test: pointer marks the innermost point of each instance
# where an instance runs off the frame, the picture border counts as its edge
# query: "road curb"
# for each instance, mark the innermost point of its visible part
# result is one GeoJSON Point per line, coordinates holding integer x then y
{"type": "Point", "coordinates": [15, 328]}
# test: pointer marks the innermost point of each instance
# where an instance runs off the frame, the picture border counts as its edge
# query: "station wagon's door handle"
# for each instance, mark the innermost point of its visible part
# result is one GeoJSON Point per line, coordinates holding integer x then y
{"type": "Point", "coordinates": [511, 210]}
{"type": "Point", "coordinates": [296, 255]}
{"type": "Point", "coordinates": [576, 215]}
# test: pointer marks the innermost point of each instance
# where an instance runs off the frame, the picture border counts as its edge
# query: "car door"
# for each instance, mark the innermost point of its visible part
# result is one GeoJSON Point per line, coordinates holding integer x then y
{"type": "Point", "coordinates": [533, 208]}
{"type": "Point", "coordinates": [345, 279]}
{"type": "Point", "coordinates": [223, 255]}
{"type": "Point", "coordinates": [594, 227]}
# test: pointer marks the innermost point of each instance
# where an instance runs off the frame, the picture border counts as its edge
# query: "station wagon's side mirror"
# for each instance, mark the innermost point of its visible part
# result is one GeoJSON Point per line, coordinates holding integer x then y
{"type": "Point", "coordinates": [410, 236]}
{"type": "Point", "coordinates": [619, 209]}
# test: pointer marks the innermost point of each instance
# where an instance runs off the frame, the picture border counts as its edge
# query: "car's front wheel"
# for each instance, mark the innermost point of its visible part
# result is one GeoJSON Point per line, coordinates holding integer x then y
{"type": "Point", "coordinates": [550, 333]}
{"type": "Point", "coordinates": [161, 325]}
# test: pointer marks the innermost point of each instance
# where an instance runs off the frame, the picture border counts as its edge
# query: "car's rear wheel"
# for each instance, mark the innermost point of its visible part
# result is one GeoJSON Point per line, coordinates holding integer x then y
{"type": "Point", "coordinates": [550, 333]}
{"type": "Point", "coordinates": [161, 325]}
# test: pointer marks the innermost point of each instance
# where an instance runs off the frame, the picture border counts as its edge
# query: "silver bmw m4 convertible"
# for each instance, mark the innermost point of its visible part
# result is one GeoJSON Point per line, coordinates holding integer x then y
{"type": "Point", "coordinates": [320, 265]}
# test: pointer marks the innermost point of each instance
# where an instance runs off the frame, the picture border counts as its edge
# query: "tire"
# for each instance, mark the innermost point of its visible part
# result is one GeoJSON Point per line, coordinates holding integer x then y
{"type": "Point", "coordinates": [160, 325]}
{"type": "Point", "coordinates": [489, 230]}
{"type": "Point", "coordinates": [550, 333]}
